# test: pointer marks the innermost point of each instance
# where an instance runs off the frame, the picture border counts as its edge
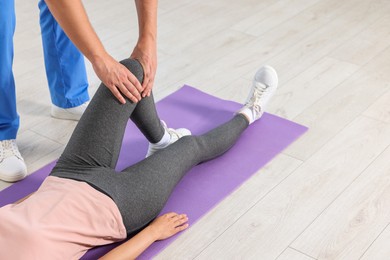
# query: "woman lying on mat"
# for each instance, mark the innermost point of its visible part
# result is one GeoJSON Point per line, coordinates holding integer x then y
{"type": "Point", "coordinates": [85, 203]}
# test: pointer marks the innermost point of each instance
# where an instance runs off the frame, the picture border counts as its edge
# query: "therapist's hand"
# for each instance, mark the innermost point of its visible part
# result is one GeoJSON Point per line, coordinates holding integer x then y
{"type": "Point", "coordinates": [146, 53]}
{"type": "Point", "coordinates": [118, 79]}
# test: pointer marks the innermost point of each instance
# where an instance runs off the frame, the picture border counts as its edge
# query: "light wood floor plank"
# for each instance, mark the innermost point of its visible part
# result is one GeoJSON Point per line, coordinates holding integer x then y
{"type": "Point", "coordinates": [292, 254]}
{"type": "Point", "coordinates": [380, 65]}
{"type": "Point", "coordinates": [353, 221]}
{"type": "Point", "coordinates": [55, 129]}
{"type": "Point", "coordinates": [338, 108]}
{"type": "Point", "coordinates": [287, 44]}
{"type": "Point", "coordinates": [237, 90]}
{"type": "Point", "coordinates": [182, 68]}
{"type": "Point", "coordinates": [289, 32]}
{"type": "Point", "coordinates": [273, 223]}
{"type": "Point", "coordinates": [380, 109]}
{"type": "Point", "coordinates": [294, 60]}
{"type": "Point", "coordinates": [263, 20]}
{"type": "Point", "coordinates": [380, 248]}
{"type": "Point", "coordinates": [366, 44]}
{"type": "Point", "coordinates": [270, 43]}
{"type": "Point", "coordinates": [310, 86]}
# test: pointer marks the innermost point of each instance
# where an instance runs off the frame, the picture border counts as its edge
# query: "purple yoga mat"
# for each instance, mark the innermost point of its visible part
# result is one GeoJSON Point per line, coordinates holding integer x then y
{"type": "Point", "coordinates": [206, 184]}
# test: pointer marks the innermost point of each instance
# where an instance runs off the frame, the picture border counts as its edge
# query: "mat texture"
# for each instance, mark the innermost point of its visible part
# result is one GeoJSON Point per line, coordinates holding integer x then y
{"type": "Point", "coordinates": [207, 184]}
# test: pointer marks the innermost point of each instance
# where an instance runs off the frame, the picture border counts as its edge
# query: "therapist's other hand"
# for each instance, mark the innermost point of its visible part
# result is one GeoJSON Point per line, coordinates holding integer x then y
{"type": "Point", "coordinates": [118, 79]}
{"type": "Point", "coordinates": [146, 53]}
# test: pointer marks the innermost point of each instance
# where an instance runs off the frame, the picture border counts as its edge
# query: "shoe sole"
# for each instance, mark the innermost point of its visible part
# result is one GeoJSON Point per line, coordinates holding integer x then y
{"type": "Point", "coordinates": [270, 71]}
{"type": "Point", "coordinates": [13, 178]}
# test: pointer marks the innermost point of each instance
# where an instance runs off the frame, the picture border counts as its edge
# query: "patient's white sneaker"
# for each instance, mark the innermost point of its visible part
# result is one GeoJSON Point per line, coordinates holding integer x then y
{"type": "Point", "coordinates": [12, 166]}
{"type": "Point", "coordinates": [264, 86]}
{"type": "Point", "coordinates": [73, 113]}
{"type": "Point", "coordinates": [170, 136]}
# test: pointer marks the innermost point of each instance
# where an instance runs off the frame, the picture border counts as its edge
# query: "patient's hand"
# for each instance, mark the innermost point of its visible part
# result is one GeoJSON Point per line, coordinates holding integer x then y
{"type": "Point", "coordinates": [161, 228]}
{"type": "Point", "coordinates": [168, 225]}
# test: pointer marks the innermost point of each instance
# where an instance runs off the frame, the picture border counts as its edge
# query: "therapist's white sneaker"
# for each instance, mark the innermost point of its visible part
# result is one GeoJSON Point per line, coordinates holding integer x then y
{"type": "Point", "coordinates": [12, 166]}
{"type": "Point", "coordinates": [73, 113]}
{"type": "Point", "coordinates": [264, 86]}
{"type": "Point", "coordinates": [171, 135]}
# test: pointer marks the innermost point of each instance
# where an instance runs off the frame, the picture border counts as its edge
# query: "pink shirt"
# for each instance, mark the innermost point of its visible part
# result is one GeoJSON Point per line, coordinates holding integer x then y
{"type": "Point", "coordinates": [62, 220]}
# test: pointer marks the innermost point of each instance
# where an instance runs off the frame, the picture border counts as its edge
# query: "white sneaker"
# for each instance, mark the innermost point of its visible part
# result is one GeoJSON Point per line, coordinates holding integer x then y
{"type": "Point", "coordinates": [12, 166]}
{"type": "Point", "coordinates": [175, 135]}
{"type": "Point", "coordinates": [73, 113]}
{"type": "Point", "coordinates": [264, 86]}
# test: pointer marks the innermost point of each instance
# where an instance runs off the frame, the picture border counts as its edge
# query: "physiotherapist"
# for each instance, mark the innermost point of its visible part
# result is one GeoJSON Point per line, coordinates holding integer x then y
{"type": "Point", "coordinates": [68, 36]}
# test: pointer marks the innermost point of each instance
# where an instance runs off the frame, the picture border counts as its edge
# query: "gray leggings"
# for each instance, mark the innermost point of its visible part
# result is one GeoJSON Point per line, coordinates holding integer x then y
{"type": "Point", "coordinates": [141, 190]}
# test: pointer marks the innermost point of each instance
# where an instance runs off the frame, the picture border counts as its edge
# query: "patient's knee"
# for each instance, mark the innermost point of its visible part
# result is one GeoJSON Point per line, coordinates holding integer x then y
{"type": "Point", "coordinates": [135, 68]}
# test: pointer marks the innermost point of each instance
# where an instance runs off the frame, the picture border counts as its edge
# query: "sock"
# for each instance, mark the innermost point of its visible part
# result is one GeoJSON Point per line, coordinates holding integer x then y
{"type": "Point", "coordinates": [248, 113]}
{"type": "Point", "coordinates": [164, 140]}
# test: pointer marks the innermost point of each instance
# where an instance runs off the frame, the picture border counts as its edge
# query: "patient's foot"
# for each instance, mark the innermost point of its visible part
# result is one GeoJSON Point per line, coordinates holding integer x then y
{"type": "Point", "coordinates": [12, 166]}
{"type": "Point", "coordinates": [73, 113]}
{"type": "Point", "coordinates": [170, 136]}
{"type": "Point", "coordinates": [264, 86]}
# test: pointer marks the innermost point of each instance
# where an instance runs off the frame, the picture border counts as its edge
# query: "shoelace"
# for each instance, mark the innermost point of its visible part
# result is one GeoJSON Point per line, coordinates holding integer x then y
{"type": "Point", "coordinates": [173, 133]}
{"type": "Point", "coordinates": [9, 148]}
{"type": "Point", "coordinates": [253, 103]}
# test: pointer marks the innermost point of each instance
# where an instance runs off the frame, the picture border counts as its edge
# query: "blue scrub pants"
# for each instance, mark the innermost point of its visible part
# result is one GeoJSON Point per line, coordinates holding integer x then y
{"type": "Point", "coordinates": [65, 68]}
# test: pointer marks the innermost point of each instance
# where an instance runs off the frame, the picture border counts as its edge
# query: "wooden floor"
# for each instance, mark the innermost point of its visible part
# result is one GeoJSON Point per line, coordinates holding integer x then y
{"type": "Point", "coordinates": [328, 195]}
